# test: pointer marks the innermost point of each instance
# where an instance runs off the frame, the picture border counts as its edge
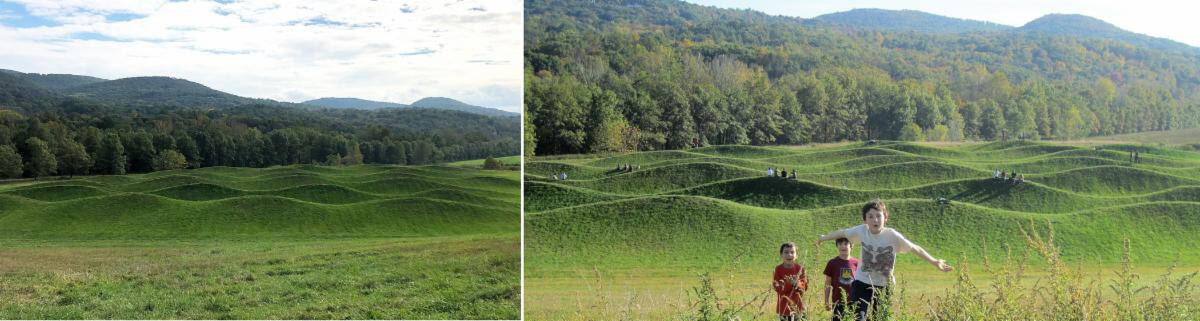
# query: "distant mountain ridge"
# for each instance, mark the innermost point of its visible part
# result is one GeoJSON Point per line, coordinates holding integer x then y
{"type": "Point", "coordinates": [1071, 25]}
{"type": "Point", "coordinates": [54, 81]}
{"type": "Point", "coordinates": [16, 90]}
{"type": "Point", "coordinates": [17, 86]}
{"type": "Point", "coordinates": [157, 90]}
{"type": "Point", "coordinates": [1085, 26]}
{"type": "Point", "coordinates": [355, 103]}
{"type": "Point", "coordinates": [908, 20]}
{"type": "Point", "coordinates": [428, 102]}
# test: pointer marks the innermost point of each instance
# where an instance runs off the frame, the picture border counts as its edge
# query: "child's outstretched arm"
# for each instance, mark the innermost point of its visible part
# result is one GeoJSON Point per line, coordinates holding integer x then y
{"type": "Point", "coordinates": [940, 264]}
{"type": "Point", "coordinates": [831, 236]}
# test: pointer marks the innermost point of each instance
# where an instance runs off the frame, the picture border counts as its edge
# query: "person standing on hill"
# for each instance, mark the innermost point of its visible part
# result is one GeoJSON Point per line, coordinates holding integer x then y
{"type": "Point", "coordinates": [873, 281]}
{"type": "Point", "coordinates": [839, 273]}
{"type": "Point", "coordinates": [789, 282]}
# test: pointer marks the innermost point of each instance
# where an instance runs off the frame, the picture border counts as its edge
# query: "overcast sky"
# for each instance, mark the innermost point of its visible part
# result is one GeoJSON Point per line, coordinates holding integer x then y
{"type": "Point", "coordinates": [1175, 20]}
{"type": "Point", "coordinates": [395, 51]}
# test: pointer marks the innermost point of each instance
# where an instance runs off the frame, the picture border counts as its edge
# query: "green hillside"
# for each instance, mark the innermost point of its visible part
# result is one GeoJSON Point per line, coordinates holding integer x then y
{"type": "Point", "coordinates": [648, 231]}
{"type": "Point", "coordinates": [907, 20]}
{"type": "Point", "coordinates": [54, 81]}
{"type": "Point", "coordinates": [156, 90]}
{"type": "Point", "coordinates": [282, 202]}
{"type": "Point", "coordinates": [641, 75]}
{"type": "Point", "coordinates": [695, 198]}
{"type": "Point", "coordinates": [284, 242]}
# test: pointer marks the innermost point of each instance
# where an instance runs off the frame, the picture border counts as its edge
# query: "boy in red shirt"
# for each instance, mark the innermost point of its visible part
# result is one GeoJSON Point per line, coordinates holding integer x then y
{"type": "Point", "coordinates": [839, 273]}
{"type": "Point", "coordinates": [789, 283]}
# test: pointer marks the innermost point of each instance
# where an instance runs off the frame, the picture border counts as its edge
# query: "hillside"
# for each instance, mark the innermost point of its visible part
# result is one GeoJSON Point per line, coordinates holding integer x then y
{"type": "Point", "coordinates": [156, 90]}
{"type": "Point", "coordinates": [428, 102]}
{"type": "Point", "coordinates": [451, 104]}
{"type": "Point", "coordinates": [1189, 138]}
{"type": "Point", "coordinates": [17, 92]}
{"type": "Point", "coordinates": [334, 102]}
{"type": "Point", "coordinates": [54, 81]}
{"type": "Point", "coordinates": [709, 204]}
{"type": "Point", "coordinates": [137, 119]}
{"type": "Point", "coordinates": [282, 242]}
{"type": "Point", "coordinates": [907, 20]}
{"type": "Point", "coordinates": [293, 202]}
{"type": "Point", "coordinates": [1074, 25]}
{"type": "Point", "coordinates": [643, 75]}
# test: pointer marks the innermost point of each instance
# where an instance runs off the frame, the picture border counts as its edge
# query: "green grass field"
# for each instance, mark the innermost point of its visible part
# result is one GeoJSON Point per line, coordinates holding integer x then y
{"type": "Point", "coordinates": [506, 160]}
{"type": "Point", "coordinates": [1169, 138]}
{"type": "Point", "coordinates": [600, 242]}
{"type": "Point", "coordinates": [293, 242]}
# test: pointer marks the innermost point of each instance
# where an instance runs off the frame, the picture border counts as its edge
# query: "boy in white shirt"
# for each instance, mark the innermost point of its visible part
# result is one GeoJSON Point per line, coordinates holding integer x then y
{"type": "Point", "coordinates": [878, 248]}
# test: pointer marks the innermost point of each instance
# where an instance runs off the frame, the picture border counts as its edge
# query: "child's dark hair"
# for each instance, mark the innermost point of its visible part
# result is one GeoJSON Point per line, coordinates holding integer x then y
{"type": "Point", "coordinates": [841, 240]}
{"type": "Point", "coordinates": [785, 246]}
{"type": "Point", "coordinates": [876, 204]}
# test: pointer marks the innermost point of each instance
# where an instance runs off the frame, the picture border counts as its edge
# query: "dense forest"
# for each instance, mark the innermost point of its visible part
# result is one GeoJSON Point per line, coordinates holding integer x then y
{"type": "Point", "coordinates": [664, 74]}
{"type": "Point", "coordinates": [47, 128]}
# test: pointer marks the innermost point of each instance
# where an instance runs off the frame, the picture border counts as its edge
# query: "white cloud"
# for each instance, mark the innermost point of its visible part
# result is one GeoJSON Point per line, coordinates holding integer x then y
{"type": "Point", "coordinates": [286, 50]}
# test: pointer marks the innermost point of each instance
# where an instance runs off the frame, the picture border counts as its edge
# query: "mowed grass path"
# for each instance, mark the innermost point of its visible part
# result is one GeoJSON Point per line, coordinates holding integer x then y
{"type": "Point", "coordinates": [712, 209]}
{"type": "Point", "coordinates": [294, 242]}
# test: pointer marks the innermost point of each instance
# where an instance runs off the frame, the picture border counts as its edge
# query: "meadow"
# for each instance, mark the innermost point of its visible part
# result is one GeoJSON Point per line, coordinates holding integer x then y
{"type": "Point", "coordinates": [618, 244]}
{"type": "Point", "coordinates": [285, 242]}
{"type": "Point", "coordinates": [506, 160]}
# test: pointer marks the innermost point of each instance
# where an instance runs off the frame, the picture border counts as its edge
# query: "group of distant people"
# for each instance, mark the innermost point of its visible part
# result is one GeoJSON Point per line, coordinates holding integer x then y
{"type": "Point", "coordinates": [628, 167]}
{"type": "Point", "coordinates": [559, 176]}
{"type": "Point", "coordinates": [773, 172]}
{"type": "Point", "coordinates": [1007, 176]}
{"type": "Point", "coordinates": [1135, 157]}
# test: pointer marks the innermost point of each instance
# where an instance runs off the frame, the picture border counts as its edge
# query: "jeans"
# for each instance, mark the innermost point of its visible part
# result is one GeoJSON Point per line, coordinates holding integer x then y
{"type": "Point", "coordinates": [870, 302]}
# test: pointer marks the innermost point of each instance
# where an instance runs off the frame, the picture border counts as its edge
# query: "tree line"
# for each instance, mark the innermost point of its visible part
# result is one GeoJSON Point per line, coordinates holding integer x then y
{"type": "Point", "coordinates": [647, 75]}
{"type": "Point", "coordinates": [81, 137]}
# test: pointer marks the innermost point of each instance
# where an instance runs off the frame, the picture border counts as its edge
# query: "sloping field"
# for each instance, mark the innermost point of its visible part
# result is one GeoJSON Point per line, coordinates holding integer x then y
{"type": "Point", "coordinates": [308, 201]}
{"type": "Point", "coordinates": [693, 189]}
{"type": "Point", "coordinates": [714, 209]}
{"type": "Point", "coordinates": [291, 242]}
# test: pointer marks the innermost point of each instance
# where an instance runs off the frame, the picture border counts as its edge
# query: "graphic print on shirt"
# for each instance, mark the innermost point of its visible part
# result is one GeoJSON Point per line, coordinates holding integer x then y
{"type": "Point", "coordinates": [846, 276]}
{"type": "Point", "coordinates": [879, 259]}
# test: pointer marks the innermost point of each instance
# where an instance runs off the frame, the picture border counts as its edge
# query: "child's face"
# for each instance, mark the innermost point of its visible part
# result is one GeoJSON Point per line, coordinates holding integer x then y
{"type": "Point", "coordinates": [844, 248]}
{"type": "Point", "coordinates": [875, 220]}
{"type": "Point", "coordinates": [788, 254]}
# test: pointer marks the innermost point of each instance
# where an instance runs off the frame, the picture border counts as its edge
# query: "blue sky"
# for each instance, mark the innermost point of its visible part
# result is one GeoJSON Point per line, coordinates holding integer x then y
{"type": "Point", "coordinates": [1173, 20]}
{"type": "Point", "coordinates": [392, 51]}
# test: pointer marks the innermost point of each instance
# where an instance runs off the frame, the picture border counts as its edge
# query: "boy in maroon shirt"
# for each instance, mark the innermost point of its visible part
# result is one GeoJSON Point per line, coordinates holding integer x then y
{"type": "Point", "coordinates": [789, 283]}
{"type": "Point", "coordinates": [839, 273]}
